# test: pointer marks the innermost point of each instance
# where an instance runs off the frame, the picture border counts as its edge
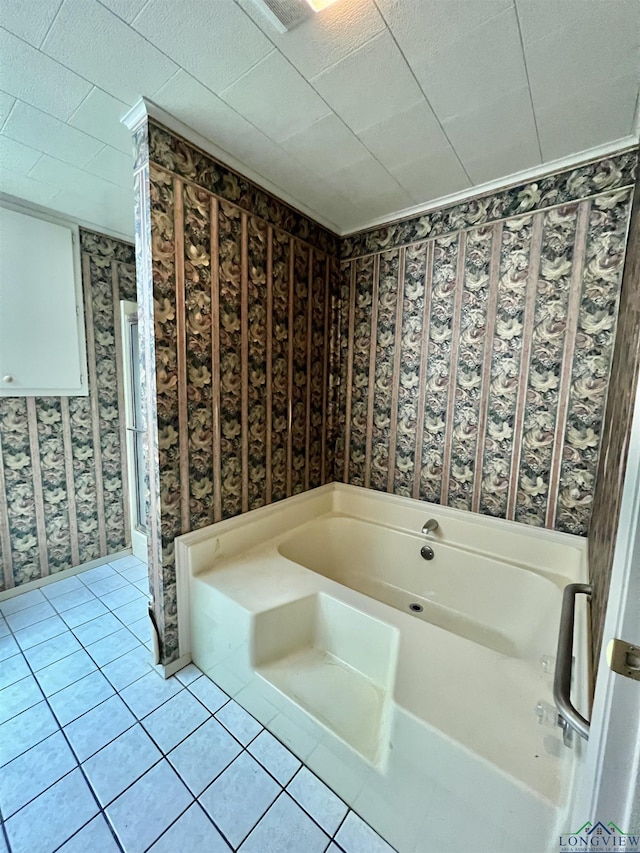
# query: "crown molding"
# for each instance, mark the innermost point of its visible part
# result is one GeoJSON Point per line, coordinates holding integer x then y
{"type": "Point", "coordinates": [145, 108]}
{"type": "Point", "coordinates": [551, 167]}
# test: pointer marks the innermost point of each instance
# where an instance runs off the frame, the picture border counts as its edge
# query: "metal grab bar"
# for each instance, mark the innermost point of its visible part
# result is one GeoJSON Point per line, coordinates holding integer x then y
{"type": "Point", "coordinates": [564, 660]}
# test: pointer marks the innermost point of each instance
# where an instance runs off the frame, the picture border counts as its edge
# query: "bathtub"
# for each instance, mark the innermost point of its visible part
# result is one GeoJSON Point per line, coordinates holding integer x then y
{"type": "Point", "coordinates": [419, 690]}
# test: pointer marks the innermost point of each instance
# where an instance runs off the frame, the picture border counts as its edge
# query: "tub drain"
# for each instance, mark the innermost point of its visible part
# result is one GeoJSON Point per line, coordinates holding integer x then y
{"type": "Point", "coordinates": [417, 608]}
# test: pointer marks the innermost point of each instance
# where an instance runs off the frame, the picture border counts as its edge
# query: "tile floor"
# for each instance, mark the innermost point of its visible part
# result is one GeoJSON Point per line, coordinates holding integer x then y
{"type": "Point", "coordinates": [99, 754]}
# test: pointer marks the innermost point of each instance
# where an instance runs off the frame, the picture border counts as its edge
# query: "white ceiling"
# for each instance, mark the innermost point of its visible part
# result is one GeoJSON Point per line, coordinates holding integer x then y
{"type": "Point", "coordinates": [368, 109]}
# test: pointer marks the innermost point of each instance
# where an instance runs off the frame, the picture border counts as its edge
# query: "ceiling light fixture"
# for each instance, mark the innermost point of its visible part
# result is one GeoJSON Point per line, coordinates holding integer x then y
{"type": "Point", "coordinates": [287, 14]}
{"type": "Point", "coordinates": [319, 5]}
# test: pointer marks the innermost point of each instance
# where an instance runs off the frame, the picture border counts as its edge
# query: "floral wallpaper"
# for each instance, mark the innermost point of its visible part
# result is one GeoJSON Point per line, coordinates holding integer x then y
{"type": "Point", "coordinates": [62, 464]}
{"type": "Point", "coordinates": [475, 347]}
{"type": "Point", "coordinates": [616, 432]}
{"type": "Point", "coordinates": [236, 287]}
{"type": "Point", "coordinates": [460, 357]}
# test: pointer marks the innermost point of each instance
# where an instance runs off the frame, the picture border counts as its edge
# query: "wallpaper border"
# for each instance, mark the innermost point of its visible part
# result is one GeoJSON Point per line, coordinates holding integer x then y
{"type": "Point", "coordinates": [593, 178]}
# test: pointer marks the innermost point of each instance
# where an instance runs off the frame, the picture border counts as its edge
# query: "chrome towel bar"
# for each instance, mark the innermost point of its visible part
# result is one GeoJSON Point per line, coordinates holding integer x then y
{"type": "Point", "coordinates": [564, 660]}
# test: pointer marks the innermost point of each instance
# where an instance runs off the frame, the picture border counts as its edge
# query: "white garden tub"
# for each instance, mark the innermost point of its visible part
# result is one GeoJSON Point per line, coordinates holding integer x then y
{"type": "Point", "coordinates": [424, 722]}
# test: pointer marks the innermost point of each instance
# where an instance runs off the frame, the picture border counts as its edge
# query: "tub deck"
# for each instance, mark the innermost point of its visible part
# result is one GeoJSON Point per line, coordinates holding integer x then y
{"type": "Point", "coordinates": [408, 719]}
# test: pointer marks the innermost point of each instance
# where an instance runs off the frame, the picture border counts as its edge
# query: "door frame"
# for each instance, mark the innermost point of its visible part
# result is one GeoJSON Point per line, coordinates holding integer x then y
{"type": "Point", "coordinates": [129, 311]}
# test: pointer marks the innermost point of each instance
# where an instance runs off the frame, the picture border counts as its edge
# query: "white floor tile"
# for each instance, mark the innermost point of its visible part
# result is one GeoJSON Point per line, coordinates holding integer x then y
{"type": "Point", "coordinates": [40, 632]}
{"type": "Point", "coordinates": [97, 629]}
{"type": "Point", "coordinates": [285, 829]}
{"type": "Point", "coordinates": [143, 586]}
{"type": "Point", "coordinates": [120, 763]}
{"type": "Point", "coordinates": [21, 601]}
{"type": "Point", "coordinates": [64, 672]}
{"type": "Point", "coordinates": [44, 654]}
{"type": "Point", "coordinates": [204, 755]}
{"type": "Point", "coordinates": [109, 584]}
{"type": "Point", "coordinates": [141, 629]}
{"type": "Point", "coordinates": [188, 674]}
{"type": "Point", "coordinates": [129, 668]}
{"type": "Point", "coordinates": [13, 669]}
{"type": "Point", "coordinates": [322, 804]}
{"type": "Point", "coordinates": [241, 725]}
{"type": "Point", "coordinates": [80, 697]}
{"type": "Point", "coordinates": [191, 833]}
{"type": "Point", "coordinates": [149, 692]}
{"type": "Point", "coordinates": [95, 837]}
{"type": "Point", "coordinates": [18, 697]}
{"type": "Point", "coordinates": [61, 587]}
{"type": "Point", "coordinates": [73, 599]}
{"type": "Point", "coordinates": [98, 727]}
{"type": "Point", "coordinates": [333, 848]}
{"type": "Point", "coordinates": [275, 757]}
{"type": "Point", "coordinates": [175, 720]}
{"type": "Point", "coordinates": [8, 647]}
{"type": "Point", "coordinates": [135, 573]}
{"type": "Point", "coordinates": [239, 797]}
{"type": "Point", "coordinates": [145, 810]}
{"type": "Point", "coordinates": [33, 772]}
{"type": "Point", "coordinates": [30, 615]}
{"type": "Point", "coordinates": [26, 730]}
{"type": "Point", "coordinates": [355, 836]}
{"type": "Point", "coordinates": [125, 563]}
{"type": "Point", "coordinates": [50, 819]}
{"type": "Point", "coordinates": [133, 611]}
{"type": "Point", "coordinates": [4, 628]}
{"type": "Point", "coordinates": [113, 646]}
{"type": "Point", "coordinates": [84, 613]}
{"type": "Point", "coordinates": [208, 693]}
{"type": "Point", "coordinates": [94, 575]}
{"type": "Point", "coordinates": [121, 596]}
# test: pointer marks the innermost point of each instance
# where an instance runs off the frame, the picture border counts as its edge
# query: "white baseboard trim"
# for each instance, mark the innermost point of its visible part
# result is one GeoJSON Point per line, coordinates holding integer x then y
{"type": "Point", "coordinates": [168, 669]}
{"type": "Point", "coordinates": [65, 573]}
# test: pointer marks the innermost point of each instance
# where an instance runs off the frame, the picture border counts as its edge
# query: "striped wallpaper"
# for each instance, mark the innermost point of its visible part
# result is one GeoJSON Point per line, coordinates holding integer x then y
{"type": "Point", "coordinates": [461, 357]}
{"type": "Point", "coordinates": [62, 465]}
{"type": "Point", "coordinates": [238, 296]}
{"type": "Point", "coordinates": [475, 365]}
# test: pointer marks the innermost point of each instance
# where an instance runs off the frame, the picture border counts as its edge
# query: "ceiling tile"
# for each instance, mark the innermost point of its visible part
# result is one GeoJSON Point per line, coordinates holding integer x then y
{"type": "Point", "coordinates": [110, 211]}
{"type": "Point", "coordinates": [197, 107]}
{"type": "Point", "coordinates": [113, 166]}
{"type": "Point", "coordinates": [503, 123]}
{"type": "Point", "coordinates": [406, 136]}
{"type": "Point", "coordinates": [125, 9]}
{"type": "Point", "coordinates": [39, 130]}
{"type": "Point", "coordinates": [6, 102]}
{"type": "Point", "coordinates": [367, 181]}
{"type": "Point", "coordinates": [620, 18]}
{"type": "Point", "coordinates": [502, 162]}
{"type": "Point", "coordinates": [370, 85]}
{"type": "Point", "coordinates": [71, 179]}
{"type": "Point", "coordinates": [27, 189]}
{"type": "Point", "coordinates": [432, 176]}
{"type": "Point", "coordinates": [479, 66]}
{"type": "Point", "coordinates": [325, 146]}
{"type": "Point", "coordinates": [602, 114]}
{"type": "Point", "coordinates": [97, 45]}
{"type": "Point", "coordinates": [16, 156]}
{"type": "Point", "coordinates": [32, 24]}
{"type": "Point", "coordinates": [35, 78]}
{"type": "Point", "coordinates": [276, 98]}
{"type": "Point", "coordinates": [216, 42]}
{"type": "Point", "coordinates": [100, 115]}
{"type": "Point", "coordinates": [327, 37]}
{"type": "Point", "coordinates": [422, 27]}
{"type": "Point", "coordinates": [573, 59]}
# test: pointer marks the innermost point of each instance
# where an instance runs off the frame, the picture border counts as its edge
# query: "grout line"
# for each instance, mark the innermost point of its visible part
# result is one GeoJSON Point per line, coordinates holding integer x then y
{"type": "Point", "coordinates": [526, 71]}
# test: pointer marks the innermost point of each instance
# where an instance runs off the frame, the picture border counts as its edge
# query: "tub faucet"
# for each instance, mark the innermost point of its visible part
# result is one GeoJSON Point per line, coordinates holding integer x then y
{"type": "Point", "coordinates": [430, 526]}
